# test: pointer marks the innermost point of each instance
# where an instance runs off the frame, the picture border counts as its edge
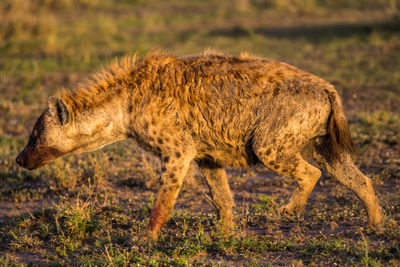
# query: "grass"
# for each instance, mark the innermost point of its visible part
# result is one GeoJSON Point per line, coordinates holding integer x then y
{"type": "Point", "coordinates": [92, 209]}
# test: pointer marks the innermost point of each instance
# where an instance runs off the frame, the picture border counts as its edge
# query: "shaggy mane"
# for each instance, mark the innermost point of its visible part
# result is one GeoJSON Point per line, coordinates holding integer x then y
{"type": "Point", "coordinates": [100, 89]}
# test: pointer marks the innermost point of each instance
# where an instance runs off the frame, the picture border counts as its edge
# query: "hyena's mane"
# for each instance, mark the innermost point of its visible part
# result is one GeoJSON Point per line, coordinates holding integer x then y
{"type": "Point", "coordinates": [110, 82]}
{"type": "Point", "coordinates": [127, 74]}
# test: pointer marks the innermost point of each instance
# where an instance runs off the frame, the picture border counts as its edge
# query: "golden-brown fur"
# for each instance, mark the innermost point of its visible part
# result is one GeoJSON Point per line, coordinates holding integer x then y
{"type": "Point", "coordinates": [217, 110]}
{"type": "Point", "coordinates": [99, 89]}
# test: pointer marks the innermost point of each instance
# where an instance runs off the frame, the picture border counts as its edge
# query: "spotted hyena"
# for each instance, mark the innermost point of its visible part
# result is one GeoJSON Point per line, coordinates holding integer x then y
{"type": "Point", "coordinates": [217, 110]}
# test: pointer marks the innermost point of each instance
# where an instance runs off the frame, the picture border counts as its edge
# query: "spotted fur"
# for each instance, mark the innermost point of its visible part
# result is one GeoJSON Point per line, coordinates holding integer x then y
{"type": "Point", "coordinates": [217, 110]}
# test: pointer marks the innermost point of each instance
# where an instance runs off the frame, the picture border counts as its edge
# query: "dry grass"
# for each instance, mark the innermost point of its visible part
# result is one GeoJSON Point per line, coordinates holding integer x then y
{"type": "Point", "coordinates": [92, 209]}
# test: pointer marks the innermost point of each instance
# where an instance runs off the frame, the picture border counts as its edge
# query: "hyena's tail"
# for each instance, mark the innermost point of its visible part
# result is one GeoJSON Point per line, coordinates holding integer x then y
{"type": "Point", "coordinates": [331, 152]}
{"type": "Point", "coordinates": [338, 133]}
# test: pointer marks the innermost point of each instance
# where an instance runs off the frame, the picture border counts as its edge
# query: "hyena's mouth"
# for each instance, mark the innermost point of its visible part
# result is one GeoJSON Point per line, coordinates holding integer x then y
{"type": "Point", "coordinates": [25, 163]}
{"type": "Point", "coordinates": [36, 166]}
{"type": "Point", "coordinates": [32, 159]}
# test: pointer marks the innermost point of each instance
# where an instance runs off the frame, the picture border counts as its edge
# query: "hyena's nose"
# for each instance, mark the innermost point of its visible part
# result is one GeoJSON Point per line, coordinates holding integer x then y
{"type": "Point", "coordinates": [19, 160]}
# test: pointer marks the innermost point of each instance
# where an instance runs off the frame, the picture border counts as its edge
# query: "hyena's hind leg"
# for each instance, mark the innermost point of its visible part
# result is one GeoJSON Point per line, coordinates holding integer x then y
{"type": "Point", "coordinates": [280, 159]}
{"type": "Point", "coordinates": [217, 182]}
{"type": "Point", "coordinates": [174, 169]}
{"type": "Point", "coordinates": [347, 173]}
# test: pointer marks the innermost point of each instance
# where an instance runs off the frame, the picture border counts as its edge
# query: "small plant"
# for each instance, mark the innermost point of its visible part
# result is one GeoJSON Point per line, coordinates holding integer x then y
{"type": "Point", "coordinates": [268, 205]}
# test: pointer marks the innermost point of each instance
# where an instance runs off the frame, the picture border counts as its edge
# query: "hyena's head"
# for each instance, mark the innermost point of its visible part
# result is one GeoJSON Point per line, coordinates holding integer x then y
{"type": "Point", "coordinates": [48, 139]}
{"type": "Point", "coordinates": [56, 134]}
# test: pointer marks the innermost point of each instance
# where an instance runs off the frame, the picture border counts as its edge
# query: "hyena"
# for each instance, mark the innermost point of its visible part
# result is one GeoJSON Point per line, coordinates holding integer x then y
{"type": "Point", "coordinates": [216, 110]}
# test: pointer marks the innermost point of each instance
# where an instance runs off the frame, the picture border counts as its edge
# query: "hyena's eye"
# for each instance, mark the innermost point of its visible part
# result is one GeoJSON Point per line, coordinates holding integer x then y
{"type": "Point", "coordinates": [32, 141]}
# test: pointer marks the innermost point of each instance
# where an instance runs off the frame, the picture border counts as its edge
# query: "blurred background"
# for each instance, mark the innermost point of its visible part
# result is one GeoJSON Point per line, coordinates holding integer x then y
{"type": "Point", "coordinates": [49, 44]}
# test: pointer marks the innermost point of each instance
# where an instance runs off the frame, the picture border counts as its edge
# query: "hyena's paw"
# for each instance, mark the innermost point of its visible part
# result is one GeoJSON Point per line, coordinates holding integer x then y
{"type": "Point", "coordinates": [289, 209]}
{"type": "Point", "coordinates": [284, 211]}
{"type": "Point", "coordinates": [226, 220]}
{"type": "Point", "coordinates": [377, 220]}
{"type": "Point", "coordinates": [227, 228]}
{"type": "Point", "coordinates": [150, 236]}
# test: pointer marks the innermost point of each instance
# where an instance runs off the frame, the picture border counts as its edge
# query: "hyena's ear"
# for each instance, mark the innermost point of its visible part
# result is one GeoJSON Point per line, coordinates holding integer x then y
{"type": "Point", "coordinates": [59, 110]}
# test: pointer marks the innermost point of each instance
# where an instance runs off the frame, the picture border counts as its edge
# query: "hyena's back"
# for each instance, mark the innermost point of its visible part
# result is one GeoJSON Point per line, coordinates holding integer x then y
{"type": "Point", "coordinates": [237, 105]}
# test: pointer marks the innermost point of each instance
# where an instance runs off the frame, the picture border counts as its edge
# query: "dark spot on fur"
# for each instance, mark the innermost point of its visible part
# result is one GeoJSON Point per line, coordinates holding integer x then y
{"type": "Point", "coordinates": [154, 132]}
{"type": "Point", "coordinates": [130, 108]}
{"type": "Point", "coordinates": [174, 187]}
{"type": "Point", "coordinates": [271, 162]}
{"type": "Point", "coordinates": [268, 152]}
{"type": "Point", "coordinates": [166, 159]}
{"type": "Point", "coordinates": [160, 141]}
{"type": "Point", "coordinates": [171, 175]}
{"type": "Point", "coordinates": [163, 169]}
{"type": "Point", "coordinates": [294, 163]}
{"type": "Point", "coordinates": [178, 154]}
{"type": "Point", "coordinates": [276, 91]}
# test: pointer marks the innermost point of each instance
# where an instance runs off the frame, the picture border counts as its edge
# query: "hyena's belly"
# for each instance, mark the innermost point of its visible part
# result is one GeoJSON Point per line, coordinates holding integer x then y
{"type": "Point", "coordinates": [229, 157]}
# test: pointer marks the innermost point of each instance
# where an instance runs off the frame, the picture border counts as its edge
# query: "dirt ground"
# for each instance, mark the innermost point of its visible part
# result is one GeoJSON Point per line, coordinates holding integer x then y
{"type": "Point", "coordinates": [93, 208]}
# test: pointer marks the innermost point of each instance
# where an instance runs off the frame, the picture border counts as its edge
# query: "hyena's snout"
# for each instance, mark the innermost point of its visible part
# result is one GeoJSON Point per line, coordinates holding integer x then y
{"type": "Point", "coordinates": [19, 160]}
{"type": "Point", "coordinates": [33, 158]}
{"type": "Point", "coordinates": [26, 159]}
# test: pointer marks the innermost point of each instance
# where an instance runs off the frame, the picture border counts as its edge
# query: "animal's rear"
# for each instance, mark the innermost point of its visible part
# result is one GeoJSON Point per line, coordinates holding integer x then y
{"type": "Point", "coordinates": [339, 138]}
{"type": "Point", "coordinates": [332, 153]}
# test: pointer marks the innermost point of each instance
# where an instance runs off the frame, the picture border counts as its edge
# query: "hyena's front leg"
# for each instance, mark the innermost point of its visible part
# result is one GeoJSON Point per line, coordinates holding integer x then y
{"type": "Point", "coordinates": [217, 182]}
{"type": "Point", "coordinates": [173, 170]}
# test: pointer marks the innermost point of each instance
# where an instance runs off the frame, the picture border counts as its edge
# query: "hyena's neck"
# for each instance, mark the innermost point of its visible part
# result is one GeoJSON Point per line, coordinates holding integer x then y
{"type": "Point", "coordinates": [119, 97]}
{"type": "Point", "coordinates": [119, 116]}
{"type": "Point", "coordinates": [104, 123]}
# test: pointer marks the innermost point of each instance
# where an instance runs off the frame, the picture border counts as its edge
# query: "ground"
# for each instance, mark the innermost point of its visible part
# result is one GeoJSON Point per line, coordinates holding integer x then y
{"type": "Point", "coordinates": [92, 209]}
